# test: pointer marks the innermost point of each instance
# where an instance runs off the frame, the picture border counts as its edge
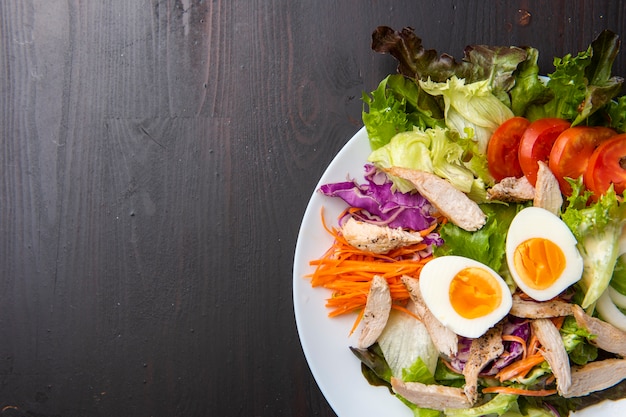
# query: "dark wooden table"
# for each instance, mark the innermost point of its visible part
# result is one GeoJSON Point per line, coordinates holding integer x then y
{"type": "Point", "coordinates": [156, 158]}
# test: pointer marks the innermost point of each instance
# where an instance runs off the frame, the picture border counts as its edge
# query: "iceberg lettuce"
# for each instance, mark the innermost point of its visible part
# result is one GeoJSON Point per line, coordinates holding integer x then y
{"type": "Point", "coordinates": [439, 151]}
{"type": "Point", "coordinates": [470, 106]}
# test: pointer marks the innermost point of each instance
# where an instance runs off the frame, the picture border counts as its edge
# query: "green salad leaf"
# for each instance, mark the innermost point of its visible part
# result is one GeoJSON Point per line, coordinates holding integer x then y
{"type": "Point", "coordinates": [581, 84]}
{"type": "Point", "coordinates": [498, 405]}
{"type": "Point", "coordinates": [439, 151]}
{"type": "Point", "coordinates": [386, 117]}
{"type": "Point", "coordinates": [598, 229]}
{"type": "Point", "coordinates": [480, 62]}
{"type": "Point", "coordinates": [576, 342]}
{"type": "Point", "coordinates": [486, 245]}
{"type": "Point", "coordinates": [470, 106]}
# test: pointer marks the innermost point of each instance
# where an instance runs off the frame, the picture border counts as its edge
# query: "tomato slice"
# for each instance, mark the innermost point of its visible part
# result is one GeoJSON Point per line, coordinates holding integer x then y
{"type": "Point", "coordinates": [536, 144]}
{"type": "Point", "coordinates": [571, 152]}
{"type": "Point", "coordinates": [502, 155]}
{"type": "Point", "coordinates": [607, 165]}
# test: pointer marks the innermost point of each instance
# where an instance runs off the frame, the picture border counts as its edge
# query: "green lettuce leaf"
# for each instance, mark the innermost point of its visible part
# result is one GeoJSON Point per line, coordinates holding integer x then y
{"type": "Point", "coordinates": [618, 280]}
{"type": "Point", "coordinates": [470, 106]}
{"type": "Point", "coordinates": [486, 245]}
{"type": "Point", "coordinates": [529, 88]}
{"type": "Point", "coordinates": [398, 105]}
{"type": "Point", "coordinates": [498, 405]}
{"type": "Point", "coordinates": [438, 151]}
{"type": "Point", "coordinates": [418, 372]}
{"type": "Point", "coordinates": [386, 115]}
{"type": "Point", "coordinates": [598, 229]}
{"type": "Point", "coordinates": [616, 112]}
{"type": "Point", "coordinates": [575, 340]}
{"type": "Point", "coordinates": [581, 84]}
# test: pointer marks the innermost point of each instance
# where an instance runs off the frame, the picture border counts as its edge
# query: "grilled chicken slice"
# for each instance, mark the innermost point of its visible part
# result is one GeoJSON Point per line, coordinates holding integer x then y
{"type": "Point", "coordinates": [596, 376]}
{"type": "Point", "coordinates": [512, 190]}
{"type": "Point", "coordinates": [483, 350]}
{"type": "Point", "coordinates": [554, 352]}
{"type": "Point", "coordinates": [608, 337]}
{"type": "Point", "coordinates": [450, 202]}
{"type": "Point", "coordinates": [436, 397]}
{"type": "Point", "coordinates": [547, 190]}
{"type": "Point", "coordinates": [376, 313]}
{"type": "Point", "coordinates": [377, 239]}
{"type": "Point", "coordinates": [444, 339]}
{"type": "Point", "coordinates": [528, 309]}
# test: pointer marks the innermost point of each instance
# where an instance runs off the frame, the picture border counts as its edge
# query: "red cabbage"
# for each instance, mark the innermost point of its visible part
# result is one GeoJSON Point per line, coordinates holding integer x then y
{"type": "Point", "coordinates": [380, 205]}
{"type": "Point", "coordinates": [512, 350]}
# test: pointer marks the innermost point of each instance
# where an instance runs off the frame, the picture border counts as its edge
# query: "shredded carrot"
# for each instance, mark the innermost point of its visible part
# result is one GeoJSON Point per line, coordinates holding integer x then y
{"type": "Point", "coordinates": [404, 310]}
{"type": "Point", "coordinates": [357, 321]}
{"type": "Point", "coordinates": [519, 391]}
{"type": "Point", "coordinates": [348, 271]}
{"type": "Point", "coordinates": [558, 321]}
{"type": "Point", "coordinates": [533, 345]}
{"type": "Point", "coordinates": [519, 368]}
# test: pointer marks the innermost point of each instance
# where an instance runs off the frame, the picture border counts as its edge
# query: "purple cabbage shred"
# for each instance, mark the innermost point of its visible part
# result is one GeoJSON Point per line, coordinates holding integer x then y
{"type": "Point", "coordinates": [380, 205]}
{"type": "Point", "coordinates": [512, 350]}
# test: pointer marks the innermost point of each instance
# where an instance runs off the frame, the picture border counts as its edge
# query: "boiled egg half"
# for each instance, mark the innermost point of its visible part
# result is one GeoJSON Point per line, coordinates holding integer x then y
{"type": "Point", "coordinates": [465, 295]}
{"type": "Point", "coordinates": [541, 254]}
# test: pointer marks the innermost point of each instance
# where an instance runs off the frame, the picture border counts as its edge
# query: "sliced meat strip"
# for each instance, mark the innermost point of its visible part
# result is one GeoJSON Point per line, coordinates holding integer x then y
{"type": "Point", "coordinates": [547, 191]}
{"type": "Point", "coordinates": [529, 309]}
{"type": "Point", "coordinates": [483, 350]}
{"type": "Point", "coordinates": [376, 312]}
{"type": "Point", "coordinates": [452, 203]}
{"type": "Point", "coordinates": [377, 239]}
{"type": "Point", "coordinates": [512, 190]}
{"type": "Point", "coordinates": [436, 397]}
{"type": "Point", "coordinates": [444, 339]}
{"type": "Point", "coordinates": [553, 351]}
{"type": "Point", "coordinates": [596, 376]}
{"type": "Point", "coordinates": [607, 337]}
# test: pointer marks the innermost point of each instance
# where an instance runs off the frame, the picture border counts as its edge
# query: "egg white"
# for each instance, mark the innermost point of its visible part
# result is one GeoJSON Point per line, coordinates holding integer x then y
{"type": "Point", "coordinates": [535, 222]}
{"type": "Point", "coordinates": [435, 279]}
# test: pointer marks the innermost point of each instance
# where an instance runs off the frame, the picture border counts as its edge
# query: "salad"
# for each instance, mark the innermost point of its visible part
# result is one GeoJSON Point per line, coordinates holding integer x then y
{"type": "Point", "coordinates": [481, 254]}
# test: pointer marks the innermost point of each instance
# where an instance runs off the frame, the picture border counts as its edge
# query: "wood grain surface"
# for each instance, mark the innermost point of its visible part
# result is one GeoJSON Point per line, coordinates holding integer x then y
{"type": "Point", "coordinates": [156, 159]}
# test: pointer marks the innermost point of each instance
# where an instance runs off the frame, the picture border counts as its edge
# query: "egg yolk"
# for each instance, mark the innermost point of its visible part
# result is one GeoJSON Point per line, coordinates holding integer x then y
{"type": "Point", "coordinates": [474, 293]}
{"type": "Point", "coordinates": [539, 262]}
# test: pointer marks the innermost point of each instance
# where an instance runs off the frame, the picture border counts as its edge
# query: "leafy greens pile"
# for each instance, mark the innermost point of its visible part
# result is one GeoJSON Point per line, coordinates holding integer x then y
{"type": "Point", "coordinates": [437, 115]}
{"type": "Point", "coordinates": [477, 94]}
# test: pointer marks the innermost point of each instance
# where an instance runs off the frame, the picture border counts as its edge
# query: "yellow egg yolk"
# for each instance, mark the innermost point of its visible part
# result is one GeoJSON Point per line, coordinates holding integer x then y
{"type": "Point", "coordinates": [474, 292]}
{"type": "Point", "coordinates": [539, 262]}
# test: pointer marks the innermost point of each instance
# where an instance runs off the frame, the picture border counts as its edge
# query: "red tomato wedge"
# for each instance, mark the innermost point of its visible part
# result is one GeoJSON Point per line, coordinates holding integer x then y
{"type": "Point", "coordinates": [536, 144]}
{"type": "Point", "coordinates": [571, 152]}
{"type": "Point", "coordinates": [607, 165]}
{"type": "Point", "coordinates": [502, 155]}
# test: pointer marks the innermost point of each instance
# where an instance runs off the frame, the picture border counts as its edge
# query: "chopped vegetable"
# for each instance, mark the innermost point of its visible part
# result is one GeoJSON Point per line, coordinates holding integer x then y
{"type": "Point", "coordinates": [584, 78]}
{"type": "Point", "coordinates": [348, 272]}
{"type": "Point", "coordinates": [439, 151]}
{"type": "Point", "coordinates": [396, 106]}
{"type": "Point", "coordinates": [598, 229]}
{"type": "Point", "coordinates": [502, 149]}
{"type": "Point", "coordinates": [377, 203]}
{"type": "Point", "coordinates": [470, 107]}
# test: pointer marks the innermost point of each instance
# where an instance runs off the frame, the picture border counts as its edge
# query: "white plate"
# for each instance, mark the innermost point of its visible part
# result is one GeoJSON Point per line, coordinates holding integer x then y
{"type": "Point", "coordinates": [326, 341]}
